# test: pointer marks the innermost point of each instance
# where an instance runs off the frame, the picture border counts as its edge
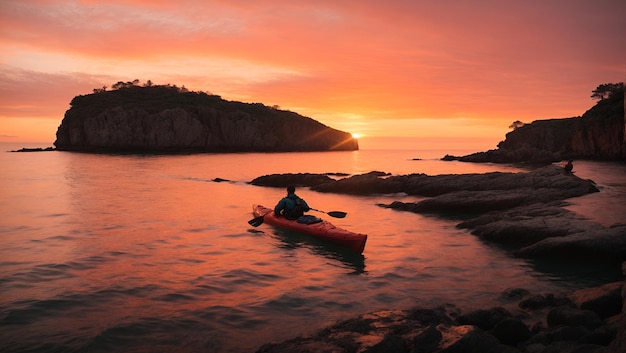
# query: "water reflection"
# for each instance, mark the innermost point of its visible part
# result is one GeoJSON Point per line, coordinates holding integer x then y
{"type": "Point", "coordinates": [291, 240]}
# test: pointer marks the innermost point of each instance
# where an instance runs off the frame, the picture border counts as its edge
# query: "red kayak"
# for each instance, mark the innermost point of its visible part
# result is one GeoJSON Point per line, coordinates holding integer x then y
{"type": "Point", "coordinates": [322, 230]}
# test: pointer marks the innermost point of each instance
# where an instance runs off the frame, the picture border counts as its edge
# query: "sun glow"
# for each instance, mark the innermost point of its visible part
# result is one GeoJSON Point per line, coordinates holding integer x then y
{"type": "Point", "coordinates": [356, 136]}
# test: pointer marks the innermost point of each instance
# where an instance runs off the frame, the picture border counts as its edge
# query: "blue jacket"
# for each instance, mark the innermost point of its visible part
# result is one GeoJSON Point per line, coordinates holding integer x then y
{"type": "Point", "coordinates": [288, 204]}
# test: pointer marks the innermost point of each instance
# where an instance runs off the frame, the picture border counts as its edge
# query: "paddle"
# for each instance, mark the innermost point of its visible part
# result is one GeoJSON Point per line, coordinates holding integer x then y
{"type": "Point", "coordinates": [336, 214]}
{"type": "Point", "coordinates": [257, 221]}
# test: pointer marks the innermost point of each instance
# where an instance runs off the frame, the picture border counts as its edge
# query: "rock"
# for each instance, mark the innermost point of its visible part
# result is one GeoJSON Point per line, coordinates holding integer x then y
{"type": "Point", "coordinates": [570, 347]}
{"type": "Point", "coordinates": [602, 336]}
{"type": "Point", "coordinates": [365, 184]}
{"type": "Point", "coordinates": [570, 333]}
{"type": "Point", "coordinates": [391, 343]}
{"type": "Point", "coordinates": [166, 119]}
{"type": "Point", "coordinates": [485, 319]}
{"type": "Point", "coordinates": [526, 225]}
{"type": "Point", "coordinates": [511, 331]}
{"type": "Point", "coordinates": [299, 179]}
{"type": "Point", "coordinates": [605, 300]}
{"type": "Point", "coordinates": [534, 302]}
{"type": "Point", "coordinates": [446, 329]}
{"type": "Point", "coordinates": [427, 340]}
{"type": "Point", "coordinates": [36, 149]}
{"type": "Point", "coordinates": [605, 245]}
{"type": "Point", "coordinates": [465, 339]}
{"type": "Point", "coordinates": [618, 345]}
{"type": "Point", "coordinates": [568, 316]}
{"type": "Point", "coordinates": [514, 294]}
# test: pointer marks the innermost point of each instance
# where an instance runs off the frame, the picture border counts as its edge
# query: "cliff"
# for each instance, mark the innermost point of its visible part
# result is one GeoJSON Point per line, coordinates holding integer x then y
{"type": "Point", "coordinates": [169, 119]}
{"type": "Point", "coordinates": [597, 134]}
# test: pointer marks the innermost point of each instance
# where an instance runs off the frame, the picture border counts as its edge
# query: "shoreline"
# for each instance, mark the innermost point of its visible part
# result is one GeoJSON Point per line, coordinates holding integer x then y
{"type": "Point", "coordinates": [586, 320]}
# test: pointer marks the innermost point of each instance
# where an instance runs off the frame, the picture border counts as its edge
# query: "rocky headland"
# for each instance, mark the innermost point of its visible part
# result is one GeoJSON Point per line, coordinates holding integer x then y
{"type": "Point", "coordinates": [598, 134]}
{"type": "Point", "coordinates": [524, 213]}
{"type": "Point", "coordinates": [168, 119]}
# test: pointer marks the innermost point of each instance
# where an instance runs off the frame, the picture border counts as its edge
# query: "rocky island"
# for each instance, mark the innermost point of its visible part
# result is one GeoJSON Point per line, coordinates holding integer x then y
{"type": "Point", "coordinates": [167, 119]}
{"type": "Point", "coordinates": [598, 134]}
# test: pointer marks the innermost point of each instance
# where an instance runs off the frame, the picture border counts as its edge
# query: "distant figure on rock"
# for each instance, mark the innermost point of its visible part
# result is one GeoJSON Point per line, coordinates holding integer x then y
{"type": "Point", "coordinates": [291, 206]}
{"type": "Point", "coordinates": [568, 167]}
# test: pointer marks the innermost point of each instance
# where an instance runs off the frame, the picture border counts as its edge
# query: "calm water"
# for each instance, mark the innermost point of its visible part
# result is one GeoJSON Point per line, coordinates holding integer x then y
{"type": "Point", "coordinates": [106, 253]}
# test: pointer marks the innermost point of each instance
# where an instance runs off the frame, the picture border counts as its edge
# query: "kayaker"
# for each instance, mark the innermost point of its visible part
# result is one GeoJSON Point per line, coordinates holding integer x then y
{"type": "Point", "coordinates": [291, 206]}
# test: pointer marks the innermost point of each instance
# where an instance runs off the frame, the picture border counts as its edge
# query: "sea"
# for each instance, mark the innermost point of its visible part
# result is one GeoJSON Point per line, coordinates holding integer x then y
{"type": "Point", "coordinates": [154, 253]}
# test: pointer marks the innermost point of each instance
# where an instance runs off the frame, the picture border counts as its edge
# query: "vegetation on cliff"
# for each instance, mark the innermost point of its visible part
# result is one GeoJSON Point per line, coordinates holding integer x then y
{"type": "Point", "coordinates": [166, 118]}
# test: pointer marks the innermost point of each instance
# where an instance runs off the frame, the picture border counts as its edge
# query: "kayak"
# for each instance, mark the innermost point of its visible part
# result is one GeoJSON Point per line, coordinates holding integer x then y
{"type": "Point", "coordinates": [322, 230]}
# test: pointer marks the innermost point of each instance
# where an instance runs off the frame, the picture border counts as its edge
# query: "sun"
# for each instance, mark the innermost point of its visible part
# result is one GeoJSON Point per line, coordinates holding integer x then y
{"type": "Point", "coordinates": [355, 136]}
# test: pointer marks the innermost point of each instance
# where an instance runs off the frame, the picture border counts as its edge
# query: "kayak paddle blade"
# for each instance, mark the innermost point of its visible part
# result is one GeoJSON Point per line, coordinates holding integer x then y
{"type": "Point", "coordinates": [257, 221]}
{"type": "Point", "coordinates": [336, 214]}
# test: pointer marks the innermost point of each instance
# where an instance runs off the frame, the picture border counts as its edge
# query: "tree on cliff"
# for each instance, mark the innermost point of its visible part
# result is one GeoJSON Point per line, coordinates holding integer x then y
{"type": "Point", "coordinates": [607, 90]}
{"type": "Point", "coordinates": [516, 124]}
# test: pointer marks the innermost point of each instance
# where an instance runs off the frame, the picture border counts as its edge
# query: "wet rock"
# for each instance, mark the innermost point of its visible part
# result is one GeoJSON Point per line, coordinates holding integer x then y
{"type": "Point", "coordinates": [447, 329]}
{"type": "Point", "coordinates": [605, 245]}
{"type": "Point", "coordinates": [603, 336]}
{"type": "Point", "coordinates": [570, 333]}
{"type": "Point", "coordinates": [36, 149]}
{"type": "Point", "coordinates": [511, 331]}
{"type": "Point", "coordinates": [485, 319]}
{"type": "Point", "coordinates": [513, 294]}
{"type": "Point", "coordinates": [298, 179]}
{"type": "Point", "coordinates": [465, 339]}
{"type": "Point", "coordinates": [365, 184]}
{"type": "Point", "coordinates": [534, 302]}
{"type": "Point", "coordinates": [606, 300]}
{"type": "Point", "coordinates": [568, 316]}
{"type": "Point", "coordinates": [529, 224]}
{"type": "Point", "coordinates": [427, 340]}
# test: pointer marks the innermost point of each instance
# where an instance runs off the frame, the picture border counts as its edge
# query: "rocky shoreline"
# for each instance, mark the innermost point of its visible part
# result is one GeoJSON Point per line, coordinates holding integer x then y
{"type": "Point", "coordinates": [587, 320]}
{"type": "Point", "coordinates": [522, 212]}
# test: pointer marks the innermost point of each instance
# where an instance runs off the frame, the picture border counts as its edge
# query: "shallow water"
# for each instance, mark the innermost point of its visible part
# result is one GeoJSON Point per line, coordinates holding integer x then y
{"type": "Point", "coordinates": [107, 253]}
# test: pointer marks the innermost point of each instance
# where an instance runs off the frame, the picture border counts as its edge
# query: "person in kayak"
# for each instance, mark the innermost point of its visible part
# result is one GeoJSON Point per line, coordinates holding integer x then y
{"type": "Point", "coordinates": [291, 206]}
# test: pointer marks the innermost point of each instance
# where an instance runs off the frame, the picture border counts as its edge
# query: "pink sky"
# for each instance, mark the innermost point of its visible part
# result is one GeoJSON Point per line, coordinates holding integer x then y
{"type": "Point", "coordinates": [430, 69]}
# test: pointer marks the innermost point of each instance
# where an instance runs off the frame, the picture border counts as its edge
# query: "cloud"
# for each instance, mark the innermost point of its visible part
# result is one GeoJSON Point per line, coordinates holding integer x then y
{"type": "Point", "coordinates": [38, 94]}
{"type": "Point", "coordinates": [397, 60]}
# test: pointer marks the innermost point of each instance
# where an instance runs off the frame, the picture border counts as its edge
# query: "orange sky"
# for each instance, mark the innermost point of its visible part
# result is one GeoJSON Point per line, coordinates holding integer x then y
{"type": "Point", "coordinates": [378, 68]}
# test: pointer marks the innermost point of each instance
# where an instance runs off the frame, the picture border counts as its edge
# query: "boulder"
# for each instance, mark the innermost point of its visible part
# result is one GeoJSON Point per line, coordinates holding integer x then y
{"type": "Point", "coordinates": [511, 331]}
{"type": "Point", "coordinates": [568, 316]}
{"type": "Point", "coordinates": [606, 300]}
{"type": "Point", "coordinates": [485, 319]}
{"type": "Point", "coordinates": [606, 245]}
